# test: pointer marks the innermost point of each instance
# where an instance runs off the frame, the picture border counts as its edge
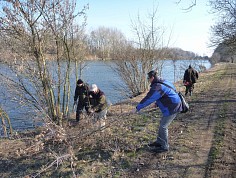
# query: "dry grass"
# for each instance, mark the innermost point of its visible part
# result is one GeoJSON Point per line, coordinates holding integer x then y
{"type": "Point", "coordinates": [202, 141]}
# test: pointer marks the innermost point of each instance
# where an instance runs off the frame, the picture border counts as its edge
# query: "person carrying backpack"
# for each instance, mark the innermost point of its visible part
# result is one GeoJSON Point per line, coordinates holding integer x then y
{"type": "Point", "coordinates": [169, 102]}
{"type": "Point", "coordinates": [190, 77]}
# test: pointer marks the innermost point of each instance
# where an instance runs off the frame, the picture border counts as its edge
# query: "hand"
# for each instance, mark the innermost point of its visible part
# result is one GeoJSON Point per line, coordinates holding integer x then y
{"type": "Point", "coordinates": [153, 105]}
{"type": "Point", "coordinates": [74, 106]}
{"type": "Point", "coordinates": [134, 111]}
{"type": "Point", "coordinates": [90, 110]}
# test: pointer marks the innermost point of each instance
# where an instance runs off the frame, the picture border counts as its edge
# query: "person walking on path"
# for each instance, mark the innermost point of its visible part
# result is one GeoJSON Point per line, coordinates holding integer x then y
{"type": "Point", "coordinates": [99, 105]}
{"type": "Point", "coordinates": [81, 94]}
{"type": "Point", "coordinates": [190, 77]}
{"type": "Point", "coordinates": [169, 103]}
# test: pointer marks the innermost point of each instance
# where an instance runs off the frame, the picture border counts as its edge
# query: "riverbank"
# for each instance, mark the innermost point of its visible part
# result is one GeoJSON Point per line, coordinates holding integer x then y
{"type": "Point", "coordinates": [98, 72]}
{"type": "Point", "coordinates": [202, 141]}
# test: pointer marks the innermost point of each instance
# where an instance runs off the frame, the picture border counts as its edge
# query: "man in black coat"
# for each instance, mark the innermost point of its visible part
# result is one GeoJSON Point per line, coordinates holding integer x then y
{"type": "Point", "coordinates": [190, 77]}
{"type": "Point", "coordinates": [81, 94]}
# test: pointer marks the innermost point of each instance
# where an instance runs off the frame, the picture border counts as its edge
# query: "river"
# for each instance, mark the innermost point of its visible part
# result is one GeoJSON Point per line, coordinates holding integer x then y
{"type": "Point", "coordinates": [100, 73]}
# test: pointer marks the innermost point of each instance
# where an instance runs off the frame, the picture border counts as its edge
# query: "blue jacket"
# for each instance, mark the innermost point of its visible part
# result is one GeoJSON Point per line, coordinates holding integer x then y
{"type": "Point", "coordinates": [165, 98]}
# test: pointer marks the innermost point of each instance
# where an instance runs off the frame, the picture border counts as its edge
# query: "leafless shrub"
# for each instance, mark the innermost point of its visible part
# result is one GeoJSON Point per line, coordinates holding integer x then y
{"type": "Point", "coordinates": [138, 57]}
{"type": "Point", "coordinates": [35, 32]}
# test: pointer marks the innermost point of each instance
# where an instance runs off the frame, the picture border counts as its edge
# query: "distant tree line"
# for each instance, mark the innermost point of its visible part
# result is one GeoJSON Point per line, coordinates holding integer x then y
{"type": "Point", "coordinates": [103, 43]}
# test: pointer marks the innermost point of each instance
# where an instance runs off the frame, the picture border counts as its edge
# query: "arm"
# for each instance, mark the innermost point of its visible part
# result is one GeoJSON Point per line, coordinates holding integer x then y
{"type": "Point", "coordinates": [100, 103]}
{"type": "Point", "coordinates": [76, 94]}
{"type": "Point", "coordinates": [185, 76]}
{"type": "Point", "coordinates": [196, 74]}
{"type": "Point", "coordinates": [151, 97]}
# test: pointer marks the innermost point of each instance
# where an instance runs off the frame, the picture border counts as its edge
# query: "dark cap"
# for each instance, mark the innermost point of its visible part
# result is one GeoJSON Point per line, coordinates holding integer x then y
{"type": "Point", "coordinates": [80, 81]}
{"type": "Point", "coordinates": [152, 74]}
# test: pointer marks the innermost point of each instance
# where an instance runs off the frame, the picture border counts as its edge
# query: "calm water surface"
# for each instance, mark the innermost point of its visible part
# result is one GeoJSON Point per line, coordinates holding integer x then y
{"type": "Point", "coordinates": [98, 72]}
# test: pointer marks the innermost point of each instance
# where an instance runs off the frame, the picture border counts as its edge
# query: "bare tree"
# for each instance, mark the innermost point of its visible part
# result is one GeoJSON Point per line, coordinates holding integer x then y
{"type": "Point", "coordinates": [142, 54]}
{"type": "Point", "coordinates": [104, 41]}
{"type": "Point", "coordinates": [192, 3]}
{"type": "Point", "coordinates": [36, 31]}
{"type": "Point", "coordinates": [224, 31]}
{"type": "Point", "coordinates": [42, 39]}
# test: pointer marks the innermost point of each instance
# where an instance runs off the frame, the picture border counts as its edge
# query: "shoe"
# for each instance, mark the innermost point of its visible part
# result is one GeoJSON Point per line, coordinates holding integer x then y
{"type": "Point", "coordinates": [159, 150]}
{"type": "Point", "coordinates": [154, 144]}
{"type": "Point", "coordinates": [103, 123]}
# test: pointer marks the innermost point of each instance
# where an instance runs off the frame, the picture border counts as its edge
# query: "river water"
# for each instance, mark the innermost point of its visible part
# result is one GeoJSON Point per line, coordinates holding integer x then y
{"type": "Point", "coordinates": [100, 73]}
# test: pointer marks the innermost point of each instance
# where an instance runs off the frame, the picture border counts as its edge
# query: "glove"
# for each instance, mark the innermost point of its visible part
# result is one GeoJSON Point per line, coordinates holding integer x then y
{"type": "Point", "coordinates": [134, 111]}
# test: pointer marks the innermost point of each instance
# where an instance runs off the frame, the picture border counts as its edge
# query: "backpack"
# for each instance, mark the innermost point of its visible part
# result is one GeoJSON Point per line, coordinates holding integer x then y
{"type": "Point", "coordinates": [185, 105]}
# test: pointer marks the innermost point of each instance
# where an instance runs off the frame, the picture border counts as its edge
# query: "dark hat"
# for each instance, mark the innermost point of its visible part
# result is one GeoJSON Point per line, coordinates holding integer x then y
{"type": "Point", "coordinates": [190, 66]}
{"type": "Point", "coordinates": [152, 74]}
{"type": "Point", "coordinates": [80, 81]}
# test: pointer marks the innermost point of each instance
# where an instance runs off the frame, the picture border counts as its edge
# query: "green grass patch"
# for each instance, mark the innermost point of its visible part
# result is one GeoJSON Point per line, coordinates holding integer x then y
{"type": "Point", "coordinates": [218, 140]}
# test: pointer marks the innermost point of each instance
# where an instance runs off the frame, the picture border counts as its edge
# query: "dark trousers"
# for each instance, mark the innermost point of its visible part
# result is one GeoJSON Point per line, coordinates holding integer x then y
{"type": "Point", "coordinates": [79, 110]}
{"type": "Point", "coordinates": [189, 89]}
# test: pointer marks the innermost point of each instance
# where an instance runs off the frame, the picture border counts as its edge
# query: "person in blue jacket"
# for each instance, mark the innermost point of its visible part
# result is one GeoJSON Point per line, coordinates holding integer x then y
{"type": "Point", "coordinates": [169, 103]}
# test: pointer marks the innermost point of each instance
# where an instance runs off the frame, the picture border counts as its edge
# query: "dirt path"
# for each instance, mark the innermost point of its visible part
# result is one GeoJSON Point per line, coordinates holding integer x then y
{"type": "Point", "coordinates": [202, 141]}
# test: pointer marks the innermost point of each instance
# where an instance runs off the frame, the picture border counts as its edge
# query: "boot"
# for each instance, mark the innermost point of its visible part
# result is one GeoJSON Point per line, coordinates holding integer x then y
{"type": "Point", "coordinates": [78, 116]}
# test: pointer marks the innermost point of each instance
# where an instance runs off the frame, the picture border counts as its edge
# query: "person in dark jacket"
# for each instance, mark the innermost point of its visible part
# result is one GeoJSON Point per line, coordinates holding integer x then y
{"type": "Point", "coordinates": [190, 77]}
{"type": "Point", "coordinates": [169, 103]}
{"type": "Point", "coordinates": [81, 94]}
{"type": "Point", "coordinates": [98, 105]}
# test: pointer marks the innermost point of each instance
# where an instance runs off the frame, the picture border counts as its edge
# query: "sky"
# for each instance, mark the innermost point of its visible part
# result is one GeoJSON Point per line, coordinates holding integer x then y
{"type": "Point", "coordinates": [189, 31]}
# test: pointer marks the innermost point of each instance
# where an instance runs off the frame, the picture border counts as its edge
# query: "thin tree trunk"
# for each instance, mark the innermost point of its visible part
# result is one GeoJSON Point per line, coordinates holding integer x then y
{"type": "Point", "coordinates": [4, 116]}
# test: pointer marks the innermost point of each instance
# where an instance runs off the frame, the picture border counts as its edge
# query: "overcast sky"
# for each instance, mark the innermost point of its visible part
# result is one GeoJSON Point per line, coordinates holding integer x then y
{"type": "Point", "coordinates": [190, 30]}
